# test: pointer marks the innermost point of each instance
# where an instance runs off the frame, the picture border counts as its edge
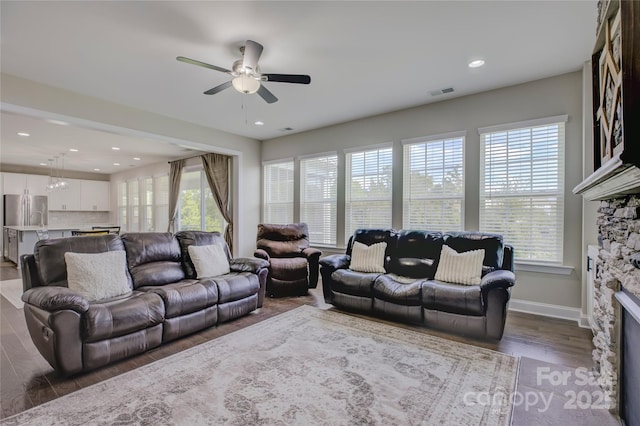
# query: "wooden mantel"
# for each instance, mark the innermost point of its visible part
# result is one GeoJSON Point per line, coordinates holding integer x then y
{"type": "Point", "coordinates": [614, 179]}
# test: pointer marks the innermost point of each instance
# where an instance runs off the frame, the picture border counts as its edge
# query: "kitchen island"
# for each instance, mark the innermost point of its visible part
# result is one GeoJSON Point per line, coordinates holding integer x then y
{"type": "Point", "coordinates": [19, 240]}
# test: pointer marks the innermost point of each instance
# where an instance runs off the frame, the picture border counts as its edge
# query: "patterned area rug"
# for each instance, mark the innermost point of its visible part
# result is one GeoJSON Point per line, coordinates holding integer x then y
{"type": "Point", "coordinates": [12, 291]}
{"type": "Point", "coordinates": [306, 366]}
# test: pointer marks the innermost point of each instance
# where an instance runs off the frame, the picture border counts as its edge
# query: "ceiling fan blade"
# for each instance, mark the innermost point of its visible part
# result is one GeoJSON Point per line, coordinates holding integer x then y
{"type": "Point", "coordinates": [288, 78]}
{"type": "Point", "coordinates": [218, 88]}
{"type": "Point", "coordinates": [252, 52]}
{"type": "Point", "coordinates": [202, 64]}
{"type": "Point", "coordinates": [267, 95]}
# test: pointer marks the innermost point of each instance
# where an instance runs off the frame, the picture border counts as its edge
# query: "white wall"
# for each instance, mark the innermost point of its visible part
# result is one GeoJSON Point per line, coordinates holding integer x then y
{"type": "Point", "coordinates": [21, 93]}
{"type": "Point", "coordinates": [543, 98]}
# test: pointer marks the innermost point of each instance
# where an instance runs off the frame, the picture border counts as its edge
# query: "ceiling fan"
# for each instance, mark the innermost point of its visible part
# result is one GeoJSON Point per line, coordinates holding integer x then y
{"type": "Point", "coordinates": [246, 74]}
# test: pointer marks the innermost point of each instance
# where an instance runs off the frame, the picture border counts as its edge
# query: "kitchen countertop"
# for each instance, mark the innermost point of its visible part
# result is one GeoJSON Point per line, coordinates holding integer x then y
{"type": "Point", "coordinates": [53, 227]}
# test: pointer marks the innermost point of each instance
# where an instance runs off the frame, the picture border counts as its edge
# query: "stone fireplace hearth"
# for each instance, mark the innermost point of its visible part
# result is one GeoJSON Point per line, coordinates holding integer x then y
{"type": "Point", "coordinates": [619, 239]}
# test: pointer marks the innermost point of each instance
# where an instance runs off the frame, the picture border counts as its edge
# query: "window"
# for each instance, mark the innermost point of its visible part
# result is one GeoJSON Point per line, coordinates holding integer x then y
{"type": "Point", "coordinates": [147, 204]}
{"type": "Point", "coordinates": [368, 189]}
{"type": "Point", "coordinates": [433, 183]}
{"type": "Point", "coordinates": [134, 206]}
{"type": "Point", "coordinates": [318, 192]}
{"type": "Point", "coordinates": [522, 186]}
{"type": "Point", "coordinates": [122, 205]}
{"type": "Point", "coordinates": [278, 193]}
{"type": "Point", "coordinates": [198, 210]}
{"type": "Point", "coordinates": [161, 202]}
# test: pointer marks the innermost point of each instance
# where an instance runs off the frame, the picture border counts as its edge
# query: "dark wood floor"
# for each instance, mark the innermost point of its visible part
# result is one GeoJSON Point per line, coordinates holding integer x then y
{"type": "Point", "coordinates": [26, 379]}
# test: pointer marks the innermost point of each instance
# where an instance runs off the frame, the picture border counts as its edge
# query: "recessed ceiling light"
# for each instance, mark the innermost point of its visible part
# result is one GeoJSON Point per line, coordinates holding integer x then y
{"type": "Point", "coordinates": [136, 158]}
{"type": "Point", "coordinates": [477, 63]}
{"type": "Point", "coordinates": [43, 164]}
{"type": "Point", "coordinates": [259, 123]}
{"type": "Point", "coordinates": [58, 122]}
{"type": "Point", "coordinates": [116, 164]}
{"type": "Point", "coordinates": [115, 148]}
{"type": "Point", "coordinates": [73, 150]}
{"type": "Point", "coordinates": [23, 134]}
{"type": "Point", "coordinates": [97, 170]}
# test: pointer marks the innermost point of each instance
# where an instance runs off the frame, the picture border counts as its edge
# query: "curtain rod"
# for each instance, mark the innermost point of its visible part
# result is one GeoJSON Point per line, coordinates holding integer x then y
{"type": "Point", "coordinates": [186, 158]}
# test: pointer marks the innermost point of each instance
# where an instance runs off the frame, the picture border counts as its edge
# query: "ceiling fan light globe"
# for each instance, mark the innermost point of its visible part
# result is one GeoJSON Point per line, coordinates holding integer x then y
{"type": "Point", "coordinates": [245, 84]}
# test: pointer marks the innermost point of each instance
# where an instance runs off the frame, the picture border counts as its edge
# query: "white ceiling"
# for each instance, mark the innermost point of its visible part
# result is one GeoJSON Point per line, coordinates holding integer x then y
{"type": "Point", "coordinates": [364, 58]}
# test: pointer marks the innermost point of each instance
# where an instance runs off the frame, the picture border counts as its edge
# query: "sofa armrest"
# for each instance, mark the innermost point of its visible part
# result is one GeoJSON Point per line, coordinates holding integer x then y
{"type": "Point", "coordinates": [52, 298]}
{"type": "Point", "coordinates": [336, 261]}
{"type": "Point", "coordinates": [248, 264]}
{"type": "Point", "coordinates": [30, 276]}
{"type": "Point", "coordinates": [497, 279]}
{"type": "Point", "coordinates": [311, 252]}
{"type": "Point", "coordinates": [262, 254]}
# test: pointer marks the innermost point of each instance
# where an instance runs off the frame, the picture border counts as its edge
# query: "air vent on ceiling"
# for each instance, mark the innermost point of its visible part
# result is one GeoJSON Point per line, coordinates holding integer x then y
{"type": "Point", "coordinates": [441, 91]}
{"type": "Point", "coordinates": [286, 129]}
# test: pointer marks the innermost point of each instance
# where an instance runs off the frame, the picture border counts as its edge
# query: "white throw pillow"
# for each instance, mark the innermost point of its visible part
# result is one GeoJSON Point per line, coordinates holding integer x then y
{"type": "Point", "coordinates": [209, 261]}
{"type": "Point", "coordinates": [98, 276]}
{"type": "Point", "coordinates": [460, 268]}
{"type": "Point", "coordinates": [367, 258]}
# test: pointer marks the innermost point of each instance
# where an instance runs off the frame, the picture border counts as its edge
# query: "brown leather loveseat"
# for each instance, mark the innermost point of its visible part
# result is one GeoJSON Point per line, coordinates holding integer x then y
{"type": "Point", "coordinates": [407, 289]}
{"type": "Point", "coordinates": [166, 301]}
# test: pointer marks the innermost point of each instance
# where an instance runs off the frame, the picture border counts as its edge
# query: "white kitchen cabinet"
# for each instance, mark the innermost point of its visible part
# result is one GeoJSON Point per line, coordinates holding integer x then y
{"type": "Point", "coordinates": [17, 183]}
{"type": "Point", "coordinates": [66, 199]}
{"type": "Point", "coordinates": [37, 184]}
{"type": "Point", "coordinates": [94, 195]}
{"type": "Point", "coordinates": [14, 183]}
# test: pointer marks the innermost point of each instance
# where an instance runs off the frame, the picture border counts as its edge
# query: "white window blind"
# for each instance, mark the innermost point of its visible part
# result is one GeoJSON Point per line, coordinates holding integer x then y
{"type": "Point", "coordinates": [522, 188]}
{"type": "Point", "coordinates": [122, 206]}
{"type": "Point", "coordinates": [318, 195]}
{"type": "Point", "coordinates": [278, 192]}
{"type": "Point", "coordinates": [368, 189]}
{"type": "Point", "coordinates": [433, 197]}
{"type": "Point", "coordinates": [161, 203]}
{"type": "Point", "coordinates": [134, 206]}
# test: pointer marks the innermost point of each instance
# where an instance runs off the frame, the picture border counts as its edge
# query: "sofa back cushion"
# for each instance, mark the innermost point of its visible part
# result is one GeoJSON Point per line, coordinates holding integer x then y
{"type": "Point", "coordinates": [416, 253]}
{"type": "Point", "coordinates": [198, 238]}
{"type": "Point", "coordinates": [283, 240]}
{"type": "Point", "coordinates": [492, 245]}
{"type": "Point", "coordinates": [370, 236]}
{"type": "Point", "coordinates": [153, 258]}
{"type": "Point", "coordinates": [49, 254]}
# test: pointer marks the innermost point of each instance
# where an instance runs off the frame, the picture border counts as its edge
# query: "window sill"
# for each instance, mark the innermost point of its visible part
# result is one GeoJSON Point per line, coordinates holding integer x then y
{"type": "Point", "coordinates": [543, 268]}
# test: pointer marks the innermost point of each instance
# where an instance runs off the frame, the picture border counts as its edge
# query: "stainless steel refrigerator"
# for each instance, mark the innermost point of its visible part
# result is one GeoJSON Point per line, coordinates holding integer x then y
{"type": "Point", "coordinates": [21, 210]}
{"type": "Point", "coordinates": [25, 210]}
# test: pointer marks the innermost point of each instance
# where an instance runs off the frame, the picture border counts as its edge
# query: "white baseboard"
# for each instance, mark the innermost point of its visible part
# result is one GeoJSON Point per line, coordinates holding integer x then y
{"type": "Point", "coordinates": [548, 310]}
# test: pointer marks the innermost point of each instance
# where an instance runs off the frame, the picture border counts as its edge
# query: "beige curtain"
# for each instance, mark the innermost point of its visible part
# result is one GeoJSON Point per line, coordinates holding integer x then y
{"type": "Point", "coordinates": [175, 174]}
{"type": "Point", "coordinates": [216, 168]}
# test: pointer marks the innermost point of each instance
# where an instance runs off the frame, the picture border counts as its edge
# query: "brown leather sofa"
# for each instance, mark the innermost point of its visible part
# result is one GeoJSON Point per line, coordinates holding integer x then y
{"type": "Point", "coordinates": [167, 301]}
{"type": "Point", "coordinates": [408, 292]}
{"type": "Point", "coordinates": [293, 265]}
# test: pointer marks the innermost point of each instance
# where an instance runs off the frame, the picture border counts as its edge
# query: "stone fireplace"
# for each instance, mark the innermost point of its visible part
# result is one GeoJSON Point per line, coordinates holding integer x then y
{"type": "Point", "coordinates": [616, 293]}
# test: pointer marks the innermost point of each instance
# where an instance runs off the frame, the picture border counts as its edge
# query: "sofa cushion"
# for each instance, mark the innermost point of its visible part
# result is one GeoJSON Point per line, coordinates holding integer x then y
{"type": "Point", "coordinates": [186, 296]}
{"type": "Point", "coordinates": [397, 290]}
{"type": "Point", "coordinates": [416, 253]}
{"type": "Point", "coordinates": [49, 254]}
{"type": "Point", "coordinates": [98, 276]}
{"type": "Point", "coordinates": [153, 258]}
{"type": "Point", "coordinates": [454, 298]}
{"type": "Point", "coordinates": [198, 238]}
{"type": "Point", "coordinates": [209, 260]}
{"type": "Point", "coordinates": [492, 245]}
{"type": "Point", "coordinates": [283, 240]}
{"type": "Point", "coordinates": [289, 268]}
{"type": "Point", "coordinates": [236, 286]}
{"type": "Point", "coordinates": [368, 258]}
{"type": "Point", "coordinates": [122, 315]}
{"type": "Point", "coordinates": [353, 283]}
{"type": "Point", "coordinates": [460, 268]}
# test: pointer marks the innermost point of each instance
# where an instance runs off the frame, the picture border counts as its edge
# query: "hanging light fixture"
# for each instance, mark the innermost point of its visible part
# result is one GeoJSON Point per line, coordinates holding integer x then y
{"type": "Point", "coordinates": [56, 179]}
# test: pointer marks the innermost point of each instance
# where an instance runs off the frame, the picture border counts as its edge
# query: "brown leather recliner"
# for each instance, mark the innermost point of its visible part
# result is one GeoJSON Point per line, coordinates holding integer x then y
{"type": "Point", "coordinates": [293, 264]}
